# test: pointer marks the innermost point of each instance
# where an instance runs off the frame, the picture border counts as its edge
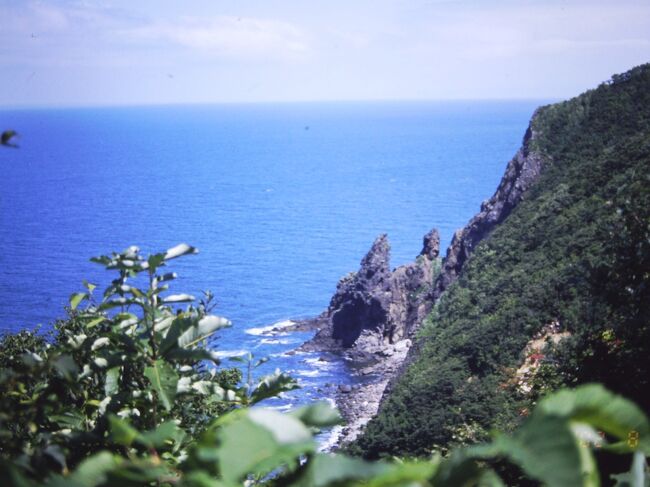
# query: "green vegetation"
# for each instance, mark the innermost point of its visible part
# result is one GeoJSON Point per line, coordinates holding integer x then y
{"type": "Point", "coordinates": [125, 392]}
{"type": "Point", "coordinates": [574, 256]}
{"type": "Point", "coordinates": [132, 399]}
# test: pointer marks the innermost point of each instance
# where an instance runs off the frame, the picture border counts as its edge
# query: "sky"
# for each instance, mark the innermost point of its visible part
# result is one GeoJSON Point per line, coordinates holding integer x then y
{"type": "Point", "coordinates": [132, 52]}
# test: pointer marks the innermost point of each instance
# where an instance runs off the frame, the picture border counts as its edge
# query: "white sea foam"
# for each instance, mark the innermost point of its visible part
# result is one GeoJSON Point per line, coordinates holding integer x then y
{"type": "Point", "coordinates": [271, 330]}
{"type": "Point", "coordinates": [332, 440]}
{"type": "Point", "coordinates": [283, 407]}
{"type": "Point", "coordinates": [230, 353]}
{"type": "Point", "coordinates": [334, 434]}
{"type": "Point", "coordinates": [289, 353]}
{"type": "Point", "coordinates": [317, 362]}
{"type": "Point", "coordinates": [278, 341]}
{"type": "Point", "coordinates": [308, 373]}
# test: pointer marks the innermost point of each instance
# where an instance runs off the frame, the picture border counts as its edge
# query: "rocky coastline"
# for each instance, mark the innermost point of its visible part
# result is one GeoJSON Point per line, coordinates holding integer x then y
{"type": "Point", "coordinates": [373, 316]}
{"type": "Point", "coordinates": [369, 323]}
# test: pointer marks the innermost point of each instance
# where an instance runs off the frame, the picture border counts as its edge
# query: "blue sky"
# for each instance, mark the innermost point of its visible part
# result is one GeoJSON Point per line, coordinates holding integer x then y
{"type": "Point", "coordinates": [86, 52]}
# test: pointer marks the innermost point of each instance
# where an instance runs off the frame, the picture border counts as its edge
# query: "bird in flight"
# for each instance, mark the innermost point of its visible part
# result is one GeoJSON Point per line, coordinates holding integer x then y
{"type": "Point", "coordinates": [6, 137]}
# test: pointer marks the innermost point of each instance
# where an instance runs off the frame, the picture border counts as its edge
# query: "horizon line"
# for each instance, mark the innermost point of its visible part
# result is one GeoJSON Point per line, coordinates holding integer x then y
{"type": "Point", "coordinates": [63, 106]}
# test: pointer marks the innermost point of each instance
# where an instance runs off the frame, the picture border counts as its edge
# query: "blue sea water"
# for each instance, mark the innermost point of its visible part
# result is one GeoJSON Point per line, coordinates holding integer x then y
{"type": "Point", "coordinates": [281, 199]}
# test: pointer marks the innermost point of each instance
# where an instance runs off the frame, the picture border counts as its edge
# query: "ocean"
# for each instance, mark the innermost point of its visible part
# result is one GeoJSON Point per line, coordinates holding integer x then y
{"type": "Point", "coordinates": [281, 199]}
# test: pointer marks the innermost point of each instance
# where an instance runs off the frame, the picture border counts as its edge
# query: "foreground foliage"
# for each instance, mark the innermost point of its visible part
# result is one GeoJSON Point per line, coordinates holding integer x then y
{"type": "Point", "coordinates": [134, 398]}
{"type": "Point", "coordinates": [124, 370]}
{"type": "Point", "coordinates": [574, 256]}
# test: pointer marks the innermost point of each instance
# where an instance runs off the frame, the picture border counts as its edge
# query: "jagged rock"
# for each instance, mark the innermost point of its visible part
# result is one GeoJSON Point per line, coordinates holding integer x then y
{"type": "Point", "coordinates": [431, 244]}
{"type": "Point", "coordinates": [376, 306]}
{"type": "Point", "coordinates": [410, 285]}
{"type": "Point", "coordinates": [403, 345]}
{"type": "Point", "coordinates": [387, 352]}
{"type": "Point", "coordinates": [382, 309]}
{"type": "Point", "coordinates": [522, 171]}
{"type": "Point", "coordinates": [362, 300]}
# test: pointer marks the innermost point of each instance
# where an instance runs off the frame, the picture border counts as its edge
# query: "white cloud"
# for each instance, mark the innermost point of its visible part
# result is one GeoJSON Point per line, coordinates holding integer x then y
{"type": "Point", "coordinates": [563, 44]}
{"type": "Point", "coordinates": [511, 30]}
{"type": "Point", "coordinates": [124, 50]}
{"type": "Point", "coordinates": [228, 36]}
{"type": "Point", "coordinates": [46, 17]}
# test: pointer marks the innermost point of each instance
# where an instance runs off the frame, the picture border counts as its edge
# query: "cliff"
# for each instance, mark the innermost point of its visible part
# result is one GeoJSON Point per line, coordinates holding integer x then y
{"type": "Point", "coordinates": [376, 307]}
{"type": "Point", "coordinates": [563, 245]}
{"type": "Point", "coordinates": [375, 312]}
{"type": "Point", "coordinates": [522, 171]}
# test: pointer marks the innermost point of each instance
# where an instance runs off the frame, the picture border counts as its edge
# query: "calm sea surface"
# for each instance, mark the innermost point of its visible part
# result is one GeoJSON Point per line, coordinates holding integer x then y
{"type": "Point", "coordinates": [281, 200]}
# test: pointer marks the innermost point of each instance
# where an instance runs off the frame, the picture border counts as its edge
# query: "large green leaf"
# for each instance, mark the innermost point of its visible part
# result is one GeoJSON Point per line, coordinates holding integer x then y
{"type": "Point", "coordinates": [76, 298]}
{"type": "Point", "coordinates": [334, 470]}
{"type": "Point", "coordinates": [66, 366]}
{"type": "Point", "coordinates": [122, 432]}
{"type": "Point", "coordinates": [202, 330]}
{"type": "Point", "coordinates": [112, 383]}
{"type": "Point", "coordinates": [272, 385]}
{"type": "Point", "coordinates": [409, 474]}
{"type": "Point", "coordinates": [319, 415]}
{"type": "Point", "coordinates": [68, 419]}
{"type": "Point", "coordinates": [260, 441]}
{"type": "Point", "coordinates": [461, 468]}
{"type": "Point", "coordinates": [594, 405]}
{"type": "Point", "coordinates": [95, 321]}
{"type": "Point", "coordinates": [174, 330]}
{"type": "Point", "coordinates": [163, 379]}
{"type": "Point", "coordinates": [164, 434]}
{"type": "Point", "coordinates": [154, 261]}
{"type": "Point", "coordinates": [546, 450]}
{"type": "Point", "coordinates": [92, 472]}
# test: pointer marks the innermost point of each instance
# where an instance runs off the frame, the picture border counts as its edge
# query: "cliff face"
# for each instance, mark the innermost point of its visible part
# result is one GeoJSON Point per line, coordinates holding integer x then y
{"type": "Point", "coordinates": [562, 245]}
{"type": "Point", "coordinates": [375, 306]}
{"type": "Point", "coordinates": [375, 312]}
{"type": "Point", "coordinates": [521, 173]}
{"type": "Point", "coordinates": [360, 301]}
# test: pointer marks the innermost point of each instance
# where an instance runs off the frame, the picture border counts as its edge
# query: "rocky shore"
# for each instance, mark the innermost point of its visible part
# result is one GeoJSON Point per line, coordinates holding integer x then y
{"type": "Point", "coordinates": [360, 402]}
{"type": "Point", "coordinates": [373, 316]}
{"type": "Point", "coordinates": [369, 324]}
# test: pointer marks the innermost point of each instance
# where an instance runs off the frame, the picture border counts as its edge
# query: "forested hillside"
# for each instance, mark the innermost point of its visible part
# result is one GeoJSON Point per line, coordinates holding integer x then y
{"type": "Point", "coordinates": [125, 391]}
{"type": "Point", "coordinates": [557, 295]}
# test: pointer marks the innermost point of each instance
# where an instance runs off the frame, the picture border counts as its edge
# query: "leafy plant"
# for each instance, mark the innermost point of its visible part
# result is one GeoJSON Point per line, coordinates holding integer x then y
{"type": "Point", "coordinates": [123, 363]}
{"type": "Point", "coordinates": [126, 399]}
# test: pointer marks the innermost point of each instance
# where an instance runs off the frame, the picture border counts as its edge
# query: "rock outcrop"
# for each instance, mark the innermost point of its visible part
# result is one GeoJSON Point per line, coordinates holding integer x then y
{"type": "Point", "coordinates": [362, 299]}
{"type": "Point", "coordinates": [522, 171]}
{"type": "Point", "coordinates": [410, 286]}
{"type": "Point", "coordinates": [375, 307]}
{"type": "Point", "coordinates": [374, 313]}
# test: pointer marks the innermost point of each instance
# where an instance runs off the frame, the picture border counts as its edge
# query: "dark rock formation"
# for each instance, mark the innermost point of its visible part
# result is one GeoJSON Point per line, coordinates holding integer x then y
{"type": "Point", "coordinates": [521, 173]}
{"type": "Point", "coordinates": [375, 311]}
{"type": "Point", "coordinates": [361, 301]}
{"type": "Point", "coordinates": [375, 306]}
{"type": "Point", "coordinates": [410, 285]}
